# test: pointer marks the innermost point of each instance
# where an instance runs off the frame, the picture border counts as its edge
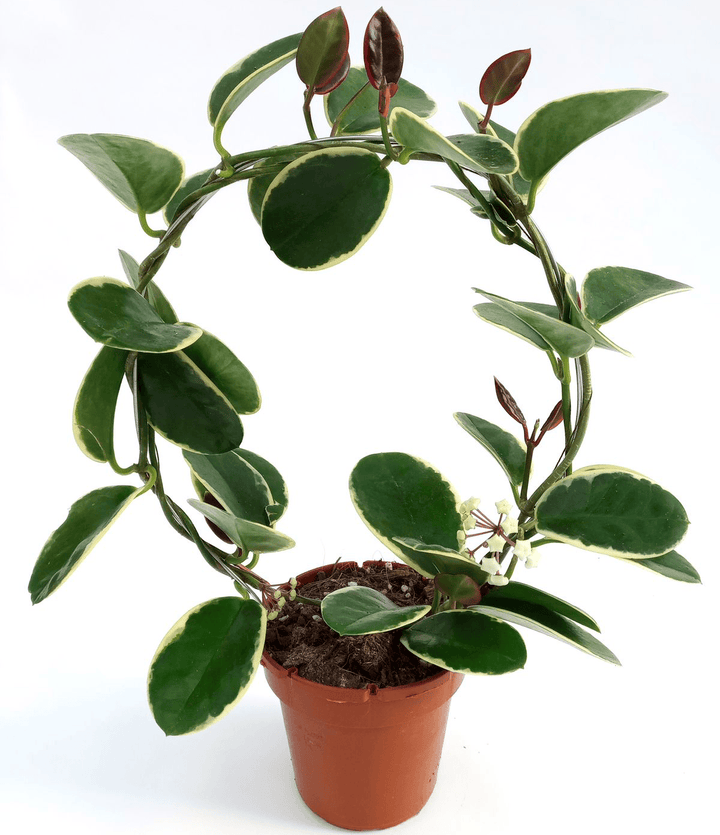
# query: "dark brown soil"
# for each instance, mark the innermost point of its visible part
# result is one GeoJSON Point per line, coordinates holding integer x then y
{"type": "Point", "coordinates": [301, 639]}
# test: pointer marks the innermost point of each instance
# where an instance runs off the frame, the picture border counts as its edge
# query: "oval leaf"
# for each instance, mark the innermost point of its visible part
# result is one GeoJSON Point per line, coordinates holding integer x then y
{"type": "Point", "coordinates": [480, 153]}
{"type": "Point", "coordinates": [559, 127]}
{"type": "Point", "coordinates": [114, 314]}
{"type": "Point", "coordinates": [362, 115]}
{"type": "Point", "coordinates": [87, 522]}
{"type": "Point", "coordinates": [459, 588]}
{"type": "Point", "coordinates": [155, 295]}
{"type": "Point", "coordinates": [94, 410]}
{"type": "Point", "coordinates": [529, 594]}
{"type": "Point", "coordinates": [258, 186]}
{"type": "Point", "coordinates": [612, 511]}
{"type": "Point", "coordinates": [323, 49]}
{"type": "Point", "coordinates": [671, 565]}
{"type": "Point", "coordinates": [502, 79]}
{"type": "Point", "coordinates": [398, 495]}
{"type": "Point", "coordinates": [226, 373]}
{"type": "Point", "coordinates": [382, 50]}
{"type": "Point", "coordinates": [248, 536]}
{"type": "Point", "coordinates": [466, 641]}
{"type": "Point", "coordinates": [503, 446]}
{"type": "Point", "coordinates": [541, 619]}
{"type": "Point", "coordinates": [324, 206]}
{"type": "Point", "coordinates": [187, 187]}
{"type": "Point", "coordinates": [238, 486]}
{"type": "Point", "coordinates": [273, 479]}
{"type": "Point", "coordinates": [184, 406]}
{"type": "Point", "coordinates": [609, 291]}
{"type": "Point", "coordinates": [356, 610]}
{"type": "Point", "coordinates": [205, 663]}
{"type": "Point", "coordinates": [143, 176]}
{"type": "Point", "coordinates": [431, 560]}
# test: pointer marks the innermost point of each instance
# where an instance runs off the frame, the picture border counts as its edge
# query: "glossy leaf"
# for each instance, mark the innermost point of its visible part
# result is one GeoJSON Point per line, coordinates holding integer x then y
{"type": "Point", "coordinates": [505, 448]}
{"type": "Point", "coordinates": [383, 55]}
{"type": "Point", "coordinates": [226, 372]}
{"type": "Point", "coordinates": [567, 340]}
{"type": "Point", "coordinates": [155, 295]}
{"type": "Point", "coordinates": [243, 78]}
{"type": "Point", "coordinates": [502, 79]}
{"type": "Point", "coordinates": [187, 187]}
{"type": "Point", "coordinates": [142, 175]}
{"type": "Point", "coordinates": [431, 560]}
{"type": "Point", "coordinates": [273, 479]}
{"type": "Point", "coordinates": [87, 522]}
{"type": "Point", "coordinates": [205, 663]}
{"type": "Point", "coordinates": [258, 186]}
{"type": "Point", "coordinates": [334, 82]}
{"type": "Point", "coordinates": [247, 535]}
{"type": "Point", "coordinates": [609, 291]}
{"type": "Point", "coordinates": [466, 641]}
{"type": "Point", "coordinates": [115, 315]}
{"type": "Point", "coordinates": [94, 409]}
{"type": "Point", "coordinates": [537, 617]}
{"type": "Point", "coordinates": [508, 402]}
{"type": "Point", "coordinates": [238, 486]}
{"type": "Point", "coordinates": [356, 610]}
{"type": "Point", "coordinates": [323, 49]}
{"type": "Point", "coordinates": [311, 226]}
{"type": "Point", "coordinates": [504, 320]}
{"type": "Point", "coordinates": [559, 127]}
{"type": "Point", "coordinates": [479, 153]}
{"type": "Point", "coordinates": [184, 405]}
{"type": "Point", "coordinates": [519, 592]}
{"type": "Point", "coordinates": [362, 115]}
{"type": "Point", "coordinates": [580, 320]}
{"type": "Point", "coordinates": [671, 565]}
{"type": "Point", "coordinates": [398, 495]}
{"type": "Point", "coordinates": [612, 511]}
{"type": "Point", "coordinates": [459, 588]}
{"type": "Point", "coordinates": [464, 195]}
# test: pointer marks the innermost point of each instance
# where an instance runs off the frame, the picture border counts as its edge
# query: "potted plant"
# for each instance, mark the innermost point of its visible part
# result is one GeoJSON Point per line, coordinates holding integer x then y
{"type": "Point", "coordinates": [317, 202]}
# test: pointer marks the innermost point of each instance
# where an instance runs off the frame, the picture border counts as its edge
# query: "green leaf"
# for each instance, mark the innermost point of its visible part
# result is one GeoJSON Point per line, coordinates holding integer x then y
{"type": "Point", "coordinates": [155, 295]}
{"type": "Point", "coordinates": [459, 588]}
{"type": "Point", "coordinates": [519, 592]}
{"type": "Point", "coordinates": [187, 187]}
{"type": "Point", "coordinates": [559, 127]}
{"type": "Point", "coordinates": [237, 485]}
{"type": "Point", "coordinates": [87, 522]}
{"type": "Point", "coordinates": [205, 663]}
{"type": "Point", "coordinates": [580, 320]}
{"type": "Point", "coordinates": [504, 320]}
{"type": "Point", "coordinates": [226, 372]}
{"type": "Point", "coordinates": [398, 495]}
{"type": "Point", "coordinates": [94, 409]}
{"type": "Point", "coordinates": [311, 226]}
{"type": "Point", "coordinates": [537, 617]}
{"type": "Point", "coordinates": [184, 405]}
{"type": "Point", "coordinates": [503, 446]}
{"type": "Point", "coordinates": [258, 186]}
{"type": "Point", "coordinates": [466, 641]}
{"type": "Point", "coordinates": [612, 511]}
{"type": "Point", "coordinates": [249, 536]}
{"type": "Point", "coordinates": [356, 610]}
{"type": "Point", "coordinates": [567, 340]}
{"type": "Point", "coordinates": [479, 153]}
{"type": "Point", "coordinates": [323, 49]}
{"type": "Point", "coordinates": [273, 479]}
{"type": "Point", "coordinates": [671, 565]}
{"type": "Point", "coordinates": [142, 175]}
{"type": "Point", "coordinates": [431, 560]}
{"type": "Point", "coordinates": [243, 78]}
{"type": "Point", "coordinates": [609, 291]}
{"type": "Point", "coordinates": [362, 115]}
{"type": "Point", "coordinates": [464, 195]}
{"type": "Point", "coordinates": [114, 314]}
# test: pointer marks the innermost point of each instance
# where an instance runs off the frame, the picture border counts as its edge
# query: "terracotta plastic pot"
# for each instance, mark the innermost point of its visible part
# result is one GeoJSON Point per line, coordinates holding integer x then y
{"type": "Point", "coordinates": [363, 759]}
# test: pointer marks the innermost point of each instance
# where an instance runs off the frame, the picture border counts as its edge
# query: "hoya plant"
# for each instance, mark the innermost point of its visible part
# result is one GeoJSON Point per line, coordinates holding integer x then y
{"type": "Point", "coordinates": [317, 202]}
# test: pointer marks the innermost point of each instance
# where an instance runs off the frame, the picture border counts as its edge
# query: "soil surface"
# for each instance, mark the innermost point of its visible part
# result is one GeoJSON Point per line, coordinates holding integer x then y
{"type": "Point", "coordinates": [301, 639]}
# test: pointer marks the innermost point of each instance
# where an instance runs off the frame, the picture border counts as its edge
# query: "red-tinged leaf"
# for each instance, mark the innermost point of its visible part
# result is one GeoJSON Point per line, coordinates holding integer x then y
{"type": "Point", "coordinates": [336, 80]}
{"type": "Point", "coordinates": [323, 49]}
{"type": "Point", "coordinates": [459, 588]}
{"type": "Point", "coordinates": [383, 53]}
{"type": "Point", "coordinates": [502, 79]}
{"type": "Point", "coordinates": [507, 401]}
{"type": "Point", "coordinates": [554, 419]}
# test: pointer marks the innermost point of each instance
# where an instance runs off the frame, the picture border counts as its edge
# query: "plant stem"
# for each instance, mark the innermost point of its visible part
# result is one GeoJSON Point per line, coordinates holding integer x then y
{"type": "Point", "coordinates": [386, 138]}
{"type": "Point", "coordinates": [307, 114]}
{"type": "Point", "coordinates": [566, 400]}
{"type": "Point", "coordinates": [526, 474]}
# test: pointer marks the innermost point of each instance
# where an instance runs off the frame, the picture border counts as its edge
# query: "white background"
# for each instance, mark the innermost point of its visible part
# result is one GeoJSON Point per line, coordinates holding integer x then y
{"type": "Point", "coordinates": [373, 355]}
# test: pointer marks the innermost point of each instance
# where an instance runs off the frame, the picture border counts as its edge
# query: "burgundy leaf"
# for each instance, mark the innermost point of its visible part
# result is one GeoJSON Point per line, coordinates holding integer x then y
{"type": "Point", "coordinates": [507, 401]}
{"type": "Point", "coordinates": [337, 80]}
{"type": "Point", "coordinates": [555, 419]}
{"type": "Point", "coordinates": [323, 50]}
{"type": "Point", "coordinates": [383, 53]}
{"type": "Point", "coordinates": [502, 79]}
